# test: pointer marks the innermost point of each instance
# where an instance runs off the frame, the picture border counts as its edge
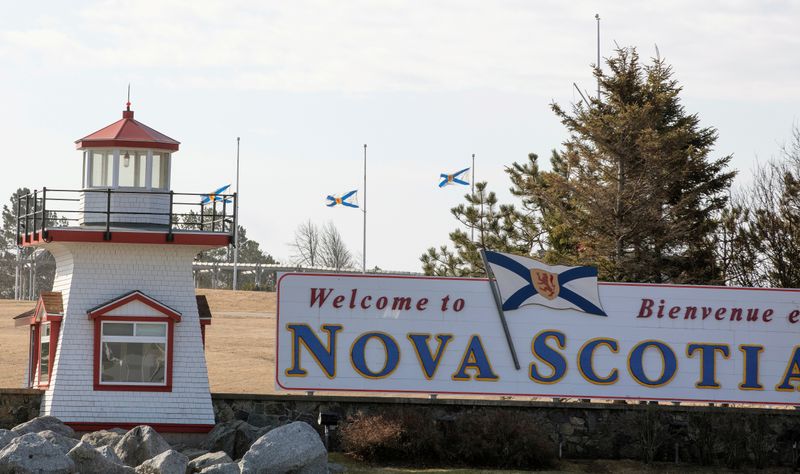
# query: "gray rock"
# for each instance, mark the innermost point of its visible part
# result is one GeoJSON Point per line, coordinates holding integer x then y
{"type": "Point", "coordinates": [334, 468]}
{"type": "Point", "coordinates": [261, 420]}
{"type": "Point", "coordinates": [61, 442]}
{"type": "Point", "coordinates": [140, 444]}
{"type": "Point", "coordinates": [87, 459]}
{"type": "Point", "coordinates": [103, 437]}
{"type": "Point", "coordinates": [233, 437]}
{"type": "Point", "coordinates": [168, 462]}
{"type": "Point", "coordinates": [224, 468]}
{"type": "Point", "coordinates": [208, 459]}
{"type": "Point", "coordinates": [192, 453]}
{"type": "Point", "coordinates": [294, 448]}
{"type": "Point", "coordinates": [31, 453]}
{"type": "Point", "coordinates": [43, 423]}
{"type": "Point", "coordinates": [5, 437]}
{"type": "Point", "coordinates": [109, 453]}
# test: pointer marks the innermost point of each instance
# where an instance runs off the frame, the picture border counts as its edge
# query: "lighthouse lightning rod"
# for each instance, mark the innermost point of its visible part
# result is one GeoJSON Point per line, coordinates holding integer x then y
{"type": "Point", "coordinates": [236, 224]}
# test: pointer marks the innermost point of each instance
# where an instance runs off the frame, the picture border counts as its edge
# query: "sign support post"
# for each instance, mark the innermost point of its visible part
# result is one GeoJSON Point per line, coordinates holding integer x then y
{"type": "Point", "coordinates": [499, 303]}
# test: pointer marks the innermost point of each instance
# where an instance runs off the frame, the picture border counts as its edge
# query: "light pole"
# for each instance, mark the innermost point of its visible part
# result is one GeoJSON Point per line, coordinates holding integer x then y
{"type": "Point", "coordinates": [364, 210]}
{"type": "Point", "coordinates": [236, 224]}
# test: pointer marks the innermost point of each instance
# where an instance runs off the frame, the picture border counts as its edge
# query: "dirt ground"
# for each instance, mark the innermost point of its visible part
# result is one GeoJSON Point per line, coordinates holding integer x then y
{"type": "Point", "coordinates": [239, 342]}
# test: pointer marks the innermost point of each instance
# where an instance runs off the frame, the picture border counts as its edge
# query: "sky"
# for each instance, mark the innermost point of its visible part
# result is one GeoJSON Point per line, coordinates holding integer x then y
{"type": "Point", "coordinates": [425, 84]}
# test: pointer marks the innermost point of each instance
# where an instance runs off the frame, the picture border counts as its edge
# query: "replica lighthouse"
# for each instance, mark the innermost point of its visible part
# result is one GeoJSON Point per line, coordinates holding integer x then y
{"type": "Point", "coordinates": [119, 341]}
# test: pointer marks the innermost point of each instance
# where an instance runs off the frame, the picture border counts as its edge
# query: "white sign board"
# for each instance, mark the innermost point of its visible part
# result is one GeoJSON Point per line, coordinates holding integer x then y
{"type": "Point", "coordinates": [443, 335]}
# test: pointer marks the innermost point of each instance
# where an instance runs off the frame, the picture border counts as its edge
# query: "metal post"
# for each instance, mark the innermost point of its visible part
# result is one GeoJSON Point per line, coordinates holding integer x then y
{"type": "Point", "coordinates": [499, 303]}
{"type": "Point", "coordinates": [235, 226]}
{"type": "Point", "coordinates": [35, 212]}
{"type": "Point", "coordinates": [364, 210]}
{"type": "Point", "coordinates": [202, 216]}
{"type": "Point", "coordinates": [170, 236]}
{"type": "Point", "coordinates": [44, 213]}
{"type": "Point", "coordinates": [108, 215]}
{"type": "Point", "coordinates": [27, 215]}
{"type": "Point", "coordinates": [17, 275]}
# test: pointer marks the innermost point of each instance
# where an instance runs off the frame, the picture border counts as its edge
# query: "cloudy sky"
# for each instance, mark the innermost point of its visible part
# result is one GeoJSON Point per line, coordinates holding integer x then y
{"type": "Point", "coordinates": [424, 83]}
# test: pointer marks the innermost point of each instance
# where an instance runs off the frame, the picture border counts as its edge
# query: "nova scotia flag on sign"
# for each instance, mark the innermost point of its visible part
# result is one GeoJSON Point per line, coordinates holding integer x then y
{"type": "Point", "coordinates": [523, 281]}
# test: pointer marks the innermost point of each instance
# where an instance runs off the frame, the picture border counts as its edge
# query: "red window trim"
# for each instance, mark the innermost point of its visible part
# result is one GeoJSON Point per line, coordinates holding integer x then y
{"type": "Point", "coordinates": [203, 323]}
{"type": "Point", "coordinates": [36, 364]}
{"type": "Point", "coordinates": [98, 386]}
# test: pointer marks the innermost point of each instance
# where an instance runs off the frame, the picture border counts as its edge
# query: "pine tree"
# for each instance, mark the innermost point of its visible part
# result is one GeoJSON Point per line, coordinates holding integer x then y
{"type": "Point", "coordinates": [634, 190]}
{"type": "Point", "coordinates": [486, 224]}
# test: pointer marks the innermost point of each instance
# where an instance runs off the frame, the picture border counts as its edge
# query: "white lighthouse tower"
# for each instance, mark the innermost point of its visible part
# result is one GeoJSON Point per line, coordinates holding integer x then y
{"type": "Point", "coordinates": [119, 340]}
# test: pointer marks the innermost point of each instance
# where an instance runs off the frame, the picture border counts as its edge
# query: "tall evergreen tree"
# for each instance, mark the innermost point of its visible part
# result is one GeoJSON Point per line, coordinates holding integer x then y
{"type": "Point", "coordinates": [634, 189]}
{"type": "Point", "coordinates": [485, 224]}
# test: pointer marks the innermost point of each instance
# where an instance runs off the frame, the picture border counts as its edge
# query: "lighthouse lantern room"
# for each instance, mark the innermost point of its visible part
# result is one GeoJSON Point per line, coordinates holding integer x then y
{"type": "Point", "coordinates": [120, 339]}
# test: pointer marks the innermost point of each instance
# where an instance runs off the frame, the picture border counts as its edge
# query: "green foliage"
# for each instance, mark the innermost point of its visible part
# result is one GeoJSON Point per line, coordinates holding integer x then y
{"type": "Point", "coordinates": [634, 188]}
{"type": "Point", "coordinates": [633, 191]}
{"type": "Point", "coordinates": [488, 225]}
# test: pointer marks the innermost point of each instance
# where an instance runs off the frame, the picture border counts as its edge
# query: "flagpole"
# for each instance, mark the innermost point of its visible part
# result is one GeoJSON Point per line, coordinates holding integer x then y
{"type": "Point", "coordinates": [364, 210]}
{"type": "Point", "coordinates": [472, 230]}
{"type": "Point", "coordinates": [236, 224]}
{"type": "Point", "coordinates": [499, 304]}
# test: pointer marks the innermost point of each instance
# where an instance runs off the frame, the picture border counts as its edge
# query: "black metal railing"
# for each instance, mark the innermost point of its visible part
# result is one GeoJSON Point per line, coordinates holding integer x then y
{"type": "Point", "coordinates": [40, 211]}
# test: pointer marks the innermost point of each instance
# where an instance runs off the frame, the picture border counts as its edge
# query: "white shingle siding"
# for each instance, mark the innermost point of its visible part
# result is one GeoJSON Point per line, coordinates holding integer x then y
{"type": "Point", "coordinates": [89, 274]}
{"type": "Point", "coordinates": [141, 201]}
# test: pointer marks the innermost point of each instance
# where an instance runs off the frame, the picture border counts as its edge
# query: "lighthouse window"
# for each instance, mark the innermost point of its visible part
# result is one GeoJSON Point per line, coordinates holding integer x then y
{"type": "Point", "coordinates": [133, 353]}
{"type": "Point", "coordinates": [132, 166]}
{"type": "Point", "coordinates": [160, 170]}
{"type": "Point", "coordinates": [44, 351]}
{"type": "Point", "coordinates": [101, 169]}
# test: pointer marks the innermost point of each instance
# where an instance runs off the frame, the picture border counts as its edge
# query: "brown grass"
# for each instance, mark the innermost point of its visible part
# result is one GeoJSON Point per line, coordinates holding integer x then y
{"type": "Point", "coordinates": [239, 342]}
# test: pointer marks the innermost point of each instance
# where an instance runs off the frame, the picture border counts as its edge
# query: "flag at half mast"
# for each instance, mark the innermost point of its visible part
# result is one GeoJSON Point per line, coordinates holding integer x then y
{"type": "Point", "coordinates": [525, 281]}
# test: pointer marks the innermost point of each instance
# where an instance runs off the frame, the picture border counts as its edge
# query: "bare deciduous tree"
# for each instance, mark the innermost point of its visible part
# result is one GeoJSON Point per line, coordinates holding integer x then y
{"type": "Point", "coordinates": [333, 251]}
{"type": "Point", "coordinates": [306, 244]}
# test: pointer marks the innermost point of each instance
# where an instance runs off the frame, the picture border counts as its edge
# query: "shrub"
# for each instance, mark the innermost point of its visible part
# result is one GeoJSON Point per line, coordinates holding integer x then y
{"type": "Point", "coordinates": [501, 438]}
{"type": "Point", "coordinates": [489, 438]}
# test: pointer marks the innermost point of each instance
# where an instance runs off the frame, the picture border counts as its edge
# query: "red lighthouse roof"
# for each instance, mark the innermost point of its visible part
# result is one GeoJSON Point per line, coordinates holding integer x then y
{"type": "Point", "coordinates": [128, 132]}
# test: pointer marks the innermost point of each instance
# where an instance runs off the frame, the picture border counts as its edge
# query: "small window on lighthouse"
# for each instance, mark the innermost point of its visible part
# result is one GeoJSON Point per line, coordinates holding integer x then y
{"type": "Point", "coordinates": [44, 351]}
{"type": "Point", "coordinates": [161, 170]}
{"type": "Point", "coordinates": [101, 169]}
{"type": "Point", "coordinates": [132, 167]}
{"type": "Point", "coordinates": [133, 353]}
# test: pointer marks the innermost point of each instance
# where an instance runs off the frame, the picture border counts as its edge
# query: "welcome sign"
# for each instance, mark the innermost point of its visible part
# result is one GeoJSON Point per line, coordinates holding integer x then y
{"type": "Point", "coordinates": [444, 335]}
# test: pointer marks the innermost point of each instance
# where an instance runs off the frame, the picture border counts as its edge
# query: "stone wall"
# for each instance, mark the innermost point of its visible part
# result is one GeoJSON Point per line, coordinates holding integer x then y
{"type": "Point", "coordinates": [652, 432]}
{"type": "Point", "coordinates": [730, 436]}
{"type": "Point", "coordinates": [18, 405]}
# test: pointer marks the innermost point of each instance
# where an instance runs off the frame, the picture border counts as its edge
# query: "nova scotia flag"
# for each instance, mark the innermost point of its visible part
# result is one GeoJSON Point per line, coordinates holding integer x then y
{"type": "Point", "coordinates": [523, 281]}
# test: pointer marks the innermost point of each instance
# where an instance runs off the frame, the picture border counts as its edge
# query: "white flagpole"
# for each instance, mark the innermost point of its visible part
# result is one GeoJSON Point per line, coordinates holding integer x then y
{"type": "Point", "coordinates": [499, 304]}
{"type": "Point", "coordinates": [236, 224]}
{"type": "Point", "coordinates": [472, 230]}
{"type": "Point", "coordinates": [364, 210]}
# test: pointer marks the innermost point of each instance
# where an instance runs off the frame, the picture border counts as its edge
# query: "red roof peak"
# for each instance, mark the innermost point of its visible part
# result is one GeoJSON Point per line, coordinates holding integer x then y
{"type": "Point", "coordinates": [128, 132]}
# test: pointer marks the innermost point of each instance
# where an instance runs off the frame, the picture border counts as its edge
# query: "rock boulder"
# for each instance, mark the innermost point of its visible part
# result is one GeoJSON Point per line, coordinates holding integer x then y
{"type": "Point", "coordinates": [140, 444]}
{"type": "Point", "coordinates": [31, 453]}
{"type": "Point", "coordinates": [87, 459]}
{"type": "Point", "coordinates": [201, 462]}
{"type": "Point", "coordinates": [168, 462]}
{"type": "Point", "coordinates": [293, 448]}
{"type": "Point", "coordinates": [43, 423]}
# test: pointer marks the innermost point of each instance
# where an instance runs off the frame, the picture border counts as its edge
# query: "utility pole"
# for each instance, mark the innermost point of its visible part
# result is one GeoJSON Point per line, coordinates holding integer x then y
{"type": "Point", "coordinates": [236, 224]}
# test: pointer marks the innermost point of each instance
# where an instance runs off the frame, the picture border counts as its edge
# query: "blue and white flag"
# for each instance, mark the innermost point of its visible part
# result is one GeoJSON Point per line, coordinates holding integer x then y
{"type": "Point", "coordinates": [348, 199]}
{"type": "Point", "coordinates": [216, 196]}
{"type": "Point", "coordinates": [523, 281]}
{"type": "Point", "coordinates": [459, 177]}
